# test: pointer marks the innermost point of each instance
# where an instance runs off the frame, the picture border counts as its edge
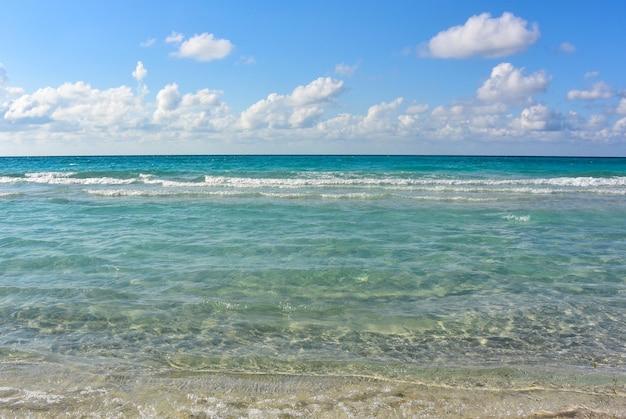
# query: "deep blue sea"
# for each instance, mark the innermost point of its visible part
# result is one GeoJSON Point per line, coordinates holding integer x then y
{"type": "Point", "coordinates": [316, 286]}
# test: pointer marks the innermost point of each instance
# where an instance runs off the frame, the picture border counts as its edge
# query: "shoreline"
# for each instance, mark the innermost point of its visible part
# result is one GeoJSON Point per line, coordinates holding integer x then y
{"type": "Point", "coordinates": [53, 390]}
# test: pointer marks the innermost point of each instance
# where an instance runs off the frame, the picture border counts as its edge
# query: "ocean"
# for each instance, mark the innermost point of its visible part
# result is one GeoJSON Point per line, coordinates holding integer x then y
{"type": "Point", "coordinates": [312, 286]}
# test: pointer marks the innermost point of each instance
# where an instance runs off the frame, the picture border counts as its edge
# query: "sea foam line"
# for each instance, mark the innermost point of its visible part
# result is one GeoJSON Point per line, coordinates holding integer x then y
{"type": "Point", "coordinates": [612, 185]}
{"type": "Point", "coordinates": [65, 178]}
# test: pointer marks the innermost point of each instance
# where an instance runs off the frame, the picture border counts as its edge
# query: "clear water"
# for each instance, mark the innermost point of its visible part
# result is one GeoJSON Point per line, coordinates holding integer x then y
{"type": "Point", "coordinates": [245, 285]}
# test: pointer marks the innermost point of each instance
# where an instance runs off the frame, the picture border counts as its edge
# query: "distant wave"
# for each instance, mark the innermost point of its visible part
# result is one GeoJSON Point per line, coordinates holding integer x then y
{"type": "Point", "coordinates": [322, 183]}
{"type": "Point", "coordinates": [65, 178]}
{"type": "Point", "coordinates": [9, 194]}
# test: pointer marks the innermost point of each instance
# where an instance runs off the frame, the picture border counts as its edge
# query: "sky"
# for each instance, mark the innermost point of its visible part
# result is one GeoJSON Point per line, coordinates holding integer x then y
{"type": "Point", "coordinates": [313, 77]}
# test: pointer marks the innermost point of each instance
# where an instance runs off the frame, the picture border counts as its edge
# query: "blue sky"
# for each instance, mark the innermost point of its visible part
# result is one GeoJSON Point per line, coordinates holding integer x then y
{"type": "Point", "coordinates": [351, 77]}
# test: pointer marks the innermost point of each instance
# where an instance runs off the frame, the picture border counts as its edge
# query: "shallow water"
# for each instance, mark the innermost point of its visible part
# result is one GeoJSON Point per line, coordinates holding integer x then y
{"type": "Point", "coordinates": [221, 282]}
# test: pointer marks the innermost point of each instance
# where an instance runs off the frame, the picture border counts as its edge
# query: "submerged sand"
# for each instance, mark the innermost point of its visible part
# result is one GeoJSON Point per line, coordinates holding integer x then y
{"type": "Point", "coordinates": [49, 390]}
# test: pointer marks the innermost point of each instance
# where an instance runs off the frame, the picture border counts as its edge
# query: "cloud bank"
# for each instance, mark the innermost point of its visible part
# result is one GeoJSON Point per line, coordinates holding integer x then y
{"type": "Point", "coordinates": [505, 109]}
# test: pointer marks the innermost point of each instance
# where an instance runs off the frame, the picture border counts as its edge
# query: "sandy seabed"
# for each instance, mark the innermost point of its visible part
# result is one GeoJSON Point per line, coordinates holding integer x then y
{"type": "Point", "coordinates": [41, 390]}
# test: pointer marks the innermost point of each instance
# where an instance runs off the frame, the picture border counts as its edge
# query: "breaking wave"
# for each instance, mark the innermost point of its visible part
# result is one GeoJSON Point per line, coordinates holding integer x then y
{"type": "Point", "coordinates": [329, 185]}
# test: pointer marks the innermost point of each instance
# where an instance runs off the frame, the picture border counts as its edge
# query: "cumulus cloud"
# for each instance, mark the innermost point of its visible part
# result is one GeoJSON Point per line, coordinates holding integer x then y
{"type": "Point", "coordinates": [168, 98]}
{"type": "Point", "coordinates": [75, 104]}
{"type": "Point", "coordinates": [203, 47]}
{"type": "Point", "coordinates": [138, 74]}
{"type": "Point", "coordinates": [483, 36]}
{"type": "Point", "coordinates": [203, 98]}
{"type": "Point", "coordinates": [538, 118]}
{"type": "Point", "coordinates": [300, 108]}
{"type": "Point", "coordinates": [599, 90]}
{"type": "Point", "coordinates": [345, 69]}
{"type": "Point", "coordinates": [78, 114]}
{"type": "Point", "coordinates": [140, 71]}
{"type": "Point", "coordinates": [508, 84]}
{"type": "Point", "coordinates": [172, 107]}
{"type": "Point", "coordinates": [266, 112]}
{"type": "Point", "coordinates": [379, 118]}
{"type": "Point", "coordinates": [320, 90]}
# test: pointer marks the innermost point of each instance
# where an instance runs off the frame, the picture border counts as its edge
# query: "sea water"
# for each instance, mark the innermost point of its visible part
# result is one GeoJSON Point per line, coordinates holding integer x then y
{"type": "Point", "coordinates": [327, 286]}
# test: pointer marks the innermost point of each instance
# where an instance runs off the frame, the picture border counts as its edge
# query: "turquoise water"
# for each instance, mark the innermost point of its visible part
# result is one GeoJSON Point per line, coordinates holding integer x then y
{"type": "Point", "coordinates": [396, 269]}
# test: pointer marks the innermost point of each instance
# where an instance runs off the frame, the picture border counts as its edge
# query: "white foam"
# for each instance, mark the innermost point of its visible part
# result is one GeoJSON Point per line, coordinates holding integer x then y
{"type": "Point", "coordinates": [518, 218]}
{"type": "Point", "coordinates": [18, 397]}
{"type": "Point", "coordinates": [160, 193]}
{"type": "Point", "coordinates": [66, 178]}
{"type": "Point", "coordinates": [338, 180]}
{"type": "Point", "coordinates": [354, 185]}
{"type": "Point", "coordinates": [539, 185]}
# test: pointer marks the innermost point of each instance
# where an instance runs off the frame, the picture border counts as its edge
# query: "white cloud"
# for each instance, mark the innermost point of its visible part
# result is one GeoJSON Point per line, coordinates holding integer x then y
{"type": "Point", "coordinates": [140, 71]}
{"type": "Point", "coordinates": [74, 104]}
{"type": "Point", "coordinates": [202, 98]}
{"type": "Point", "coordinates": [483, 36]}
{"type": "Point", "coordinates": [567, 48]}
{"type": "Point", "coordinates": [301, 108]}
{"type": "Point", "coordinates": [486, 122]}
{"type": "Point", "coordinates": [320, 90]}
{"type": "Point", "coordinates": [620, 126]}
{"type": "Point", "coordinates": [621, 108]}
{"type": "Point", "coordinates": [508, 84]}
{"type": "Point", "coordinates": [379, 117]}
{"type": "Point", "coordinates": [203, 47]}
{"type": "Point", "coordinates": [302, 117]}
{"type": "Point", "coordinates": [538, 118]}
{"type": "Point", "coordinates": [75, 115]}
{"type": "Point", "coordinates": [417, 109]}
{"type": "Point", "coordinates": [192, 111]}
{"type": "Point", "coordinates": [175, 38]}
{"type": "Point", "coordinates": [265, 113]}
{"type": "Point", "coordinates": [138, 74]}
{"type": "Point", "coordinates": [381, 120]}
{"type": "Point", "coordinates": [599, 90]}
{"type": "Point", "coordinates": [590, 74]}
{"type": "Point", "coordinates": [345, 69]}
{"type": "Point", "coordinates": [451, 112]}
{"type": "Point", "coordinates": [596, 122]}
{"type": "Point", "coordinates": [167, 100]}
